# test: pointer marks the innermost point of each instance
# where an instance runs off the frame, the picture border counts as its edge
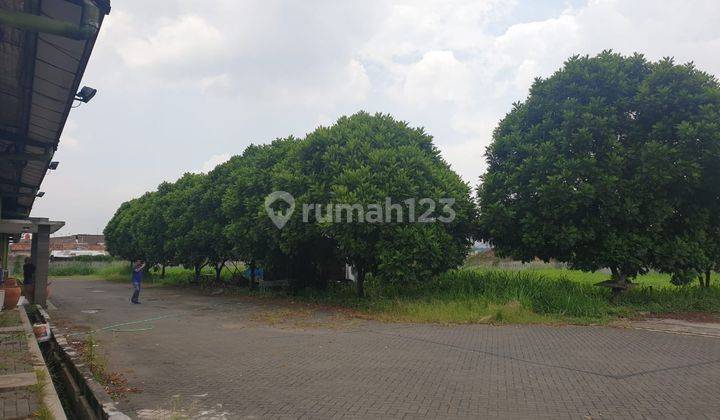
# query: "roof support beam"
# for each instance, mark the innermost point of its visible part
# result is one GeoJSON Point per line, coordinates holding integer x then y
{"type": "Point", "coordinates": [31, 22]}
{"type": "Point", "coordinates": [7, 135]}
{"type": "Point", "coordinates": [11, 183]}
{"type": "Point", "coordinates": [13, 215]}
{"type": "Point", "coordinates": [24, 157]}
{"type": "Point", "coordinates": [17, 194]}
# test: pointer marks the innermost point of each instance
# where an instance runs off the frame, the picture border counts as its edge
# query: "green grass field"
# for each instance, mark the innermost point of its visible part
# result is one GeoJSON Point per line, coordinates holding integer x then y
{"type": "Point", "coordinates": [489, 295]}
{"type": "Point", "coordinates": [479, 294]}
{"type": "Point", "coordinates": [651, 279]}
{"type": "Point", "coordinates": [121, 271]}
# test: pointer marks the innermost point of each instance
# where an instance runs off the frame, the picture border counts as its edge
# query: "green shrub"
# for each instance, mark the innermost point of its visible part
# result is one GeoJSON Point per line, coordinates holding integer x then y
{"type": "Point", "coordinates": [103, 269]}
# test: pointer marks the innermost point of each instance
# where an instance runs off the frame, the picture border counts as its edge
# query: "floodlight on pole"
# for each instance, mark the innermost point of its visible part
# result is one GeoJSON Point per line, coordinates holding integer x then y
{"type": "Point", "coordinates": [86, 94]}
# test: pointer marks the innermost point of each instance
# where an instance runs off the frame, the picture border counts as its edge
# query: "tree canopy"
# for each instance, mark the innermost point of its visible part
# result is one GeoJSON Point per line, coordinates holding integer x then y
{"type": "Point", "coordinates": [361, 161]}
{"type": "Point", "coordinates": [364, 160]}
{"type": "Point", "coordinates": [610, 162]}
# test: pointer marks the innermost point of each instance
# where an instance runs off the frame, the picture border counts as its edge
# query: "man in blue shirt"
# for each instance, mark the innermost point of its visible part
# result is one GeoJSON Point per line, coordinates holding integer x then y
{"type": "Point", "coordinates": [136, 280]}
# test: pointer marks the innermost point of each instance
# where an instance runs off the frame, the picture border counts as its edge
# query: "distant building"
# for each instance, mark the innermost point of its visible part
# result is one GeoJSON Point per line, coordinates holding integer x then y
{"type": "Point", "coordinates": [64, 246]}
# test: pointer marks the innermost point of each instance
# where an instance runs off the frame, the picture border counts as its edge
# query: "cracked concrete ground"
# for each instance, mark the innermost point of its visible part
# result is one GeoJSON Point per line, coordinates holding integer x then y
{"type": "Point", "coordinates": [225, 357]}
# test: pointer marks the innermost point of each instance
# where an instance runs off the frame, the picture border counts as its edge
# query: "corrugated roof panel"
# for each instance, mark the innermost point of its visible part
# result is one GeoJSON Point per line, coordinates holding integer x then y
{"type": "Point", "coordinates": [33, 149]}
{"type": "Point", "coordinates": [54, 74]}
{"type": "Point", "coordinates": [55, 65]}
{"type": "Point", "coordinates": [41, 132]}
{"type": "Point", "coordinates": [35, 135]}
{"type": "Point", "coordinates": [47, 85]}
{"type": "Point", "coordinates": [40, 112]}
{"type": "Point", "coordinates": [71, 47]}
{"type": "Point", "coordinates": [57, 58]}
{"type": "Point", "coordinates": [41, 118]}
{"type": "Point", "coordinates": [33, 173]}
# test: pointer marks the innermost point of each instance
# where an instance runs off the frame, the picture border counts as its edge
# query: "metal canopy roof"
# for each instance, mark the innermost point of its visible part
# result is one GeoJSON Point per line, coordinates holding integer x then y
{"type": "Point", "coordinates": [30, 225]}
{"type": "Point", "coordinates": [40, 72]}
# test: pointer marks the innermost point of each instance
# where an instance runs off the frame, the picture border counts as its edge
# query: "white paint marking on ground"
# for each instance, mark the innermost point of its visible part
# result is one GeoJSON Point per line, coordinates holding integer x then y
{"type": "Point", "coordinates": [676, 326]}
{"type": "Point", "coordinates": [154, 414]}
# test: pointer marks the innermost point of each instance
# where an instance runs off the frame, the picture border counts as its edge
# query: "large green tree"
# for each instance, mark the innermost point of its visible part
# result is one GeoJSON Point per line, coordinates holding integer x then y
{"type": "Point", "coordinates": [189, 240]}
{"type": "Point", "coordinates": [363, 161]}
{"type": "Point", "coordinates": [150, 228]}
{"type": "Point", "coordinates": [118, 235]}
{"type": "Point", "coordinates": [685, 105]}
{"type": "Point", "coordinates": [250, 179]}
{"type": "Point", "coordinates": [600, 164]}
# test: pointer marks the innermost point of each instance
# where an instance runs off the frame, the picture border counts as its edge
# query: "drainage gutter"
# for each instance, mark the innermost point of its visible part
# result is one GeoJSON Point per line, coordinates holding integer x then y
{"type": "Point", "coordinates": [86, 398]}
{"type": "Point", "coordinates": [49, 395]}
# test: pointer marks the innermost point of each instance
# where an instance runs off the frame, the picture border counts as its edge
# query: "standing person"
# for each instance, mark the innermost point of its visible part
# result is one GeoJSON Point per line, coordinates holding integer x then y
{"type": "Point", "coordinates": [136, 280]}
{"type": "Point", "coordinates": [29, 279]}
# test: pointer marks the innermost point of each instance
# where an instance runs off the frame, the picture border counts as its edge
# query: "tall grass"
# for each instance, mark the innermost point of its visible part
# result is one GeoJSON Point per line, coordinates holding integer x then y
{"type": "Point", "coordinates": [122, 271]}
{"type": "Point", "coordinates": [88, 268]}
{"type": "Point", "coordinates": [471, 295]}
{"type": "Point", "coordinates": [514, 296]}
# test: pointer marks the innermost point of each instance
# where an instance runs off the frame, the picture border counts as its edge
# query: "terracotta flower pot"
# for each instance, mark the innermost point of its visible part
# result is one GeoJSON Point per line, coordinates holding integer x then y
{"type": "Point", "coordinates": [12, 293]}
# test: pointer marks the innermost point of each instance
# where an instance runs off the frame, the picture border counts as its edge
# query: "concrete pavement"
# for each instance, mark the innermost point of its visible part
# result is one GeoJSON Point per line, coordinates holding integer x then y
{"type": "Point", "coordinates": [225, 357]}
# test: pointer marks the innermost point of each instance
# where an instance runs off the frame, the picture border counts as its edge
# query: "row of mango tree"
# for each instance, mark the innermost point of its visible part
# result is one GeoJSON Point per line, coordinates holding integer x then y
{"type": "Point", "coordinates": [612, 162]}
{"type": "Point", "coordinates": [357, 166]}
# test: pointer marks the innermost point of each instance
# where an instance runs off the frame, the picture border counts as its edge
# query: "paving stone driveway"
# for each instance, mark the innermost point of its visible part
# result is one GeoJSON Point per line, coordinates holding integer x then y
{"type": "Point", "coordinates": [223, 357]}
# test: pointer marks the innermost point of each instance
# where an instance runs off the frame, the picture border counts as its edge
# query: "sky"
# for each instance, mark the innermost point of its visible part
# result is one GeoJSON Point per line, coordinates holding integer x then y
{"type": "Point", "coordinates": [185, 84]}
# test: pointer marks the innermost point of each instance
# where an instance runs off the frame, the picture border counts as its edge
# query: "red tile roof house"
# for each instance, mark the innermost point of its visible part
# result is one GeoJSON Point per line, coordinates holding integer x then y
{"type": "Point", "coordinates": [64, 246]}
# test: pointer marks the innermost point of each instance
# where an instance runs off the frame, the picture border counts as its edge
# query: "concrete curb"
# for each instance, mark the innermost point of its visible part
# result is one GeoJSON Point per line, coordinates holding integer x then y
{"type": "Point", "coordinates": [50, 396]}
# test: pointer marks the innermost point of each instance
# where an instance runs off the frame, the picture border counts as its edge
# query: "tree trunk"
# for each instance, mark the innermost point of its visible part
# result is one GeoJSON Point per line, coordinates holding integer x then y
{"type": "Point", "coordinates": [162, 271]}
{"type": "Point", "coordinates": [618, 276]}
{"type": "Point", "coordinates": [361, 283]}
{"type": "Point", "coordinates": [197, 273]}
{"type": "Point", "coordinates": [707, 278]}
{"type": "Point", "coordinates": [218, 270]}
{"type": "Point", "coordinates": [620, 280]}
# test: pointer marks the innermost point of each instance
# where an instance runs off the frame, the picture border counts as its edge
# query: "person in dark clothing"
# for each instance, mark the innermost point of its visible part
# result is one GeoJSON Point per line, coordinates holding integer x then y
{"type": "Point", "coordinates": [28, 272]}
{"type": "Point", "coordinates": [29, 280]}
{"type": "Point", "coordinates": [136, 280]}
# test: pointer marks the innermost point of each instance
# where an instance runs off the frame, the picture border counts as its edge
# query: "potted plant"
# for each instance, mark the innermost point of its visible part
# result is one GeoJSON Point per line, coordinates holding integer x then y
{"type": "Point", "coordinates": [12, 292]}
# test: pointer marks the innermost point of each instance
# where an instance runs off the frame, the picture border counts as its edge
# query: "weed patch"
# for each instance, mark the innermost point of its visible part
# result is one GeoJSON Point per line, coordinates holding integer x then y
{"type": "Point", "coordinates": [9, 318]}
{"type": "Point", "coordinates": [115, 384]}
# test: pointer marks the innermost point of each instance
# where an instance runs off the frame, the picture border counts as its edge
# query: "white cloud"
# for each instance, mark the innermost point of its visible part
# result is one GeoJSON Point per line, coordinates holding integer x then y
{"type": "Point", "coordinates": [350, 84]}
{"type": "Point", "coordinates": [466, 158]}
{"type": "Point", "coordinates": [217, 84]}
{"type": "Point", "coordinates": [357, 81]}
{"type": "Point", "coordinates": [413, 27]}
{"type": "Point", "coordinates": [68, 139]}
{"type": "Point", "coordinates": [70, 142]}
{"type": "Point", "coordinates": [214, 161]}
{"type": "Point", "coordinates": [178, 41]}
{"type": "Point", "coordinates": [437, 77]}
